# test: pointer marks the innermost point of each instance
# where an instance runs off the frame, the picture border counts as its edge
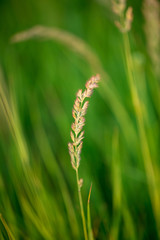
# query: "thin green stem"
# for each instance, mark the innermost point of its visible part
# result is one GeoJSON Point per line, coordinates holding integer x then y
{"type": "Point", "coordinates": [146, 154]}
{"type": "Point", "coordinates": [81, 207]}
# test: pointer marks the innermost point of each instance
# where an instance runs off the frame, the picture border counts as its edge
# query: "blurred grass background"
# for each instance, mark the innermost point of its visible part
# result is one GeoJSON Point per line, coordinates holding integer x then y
{"type": "Point", "coordinates": [38, 82]}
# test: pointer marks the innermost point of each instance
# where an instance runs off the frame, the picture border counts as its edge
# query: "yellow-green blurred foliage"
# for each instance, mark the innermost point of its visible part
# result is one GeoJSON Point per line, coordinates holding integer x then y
{"type": "Point", "coordinates": [63, 44]}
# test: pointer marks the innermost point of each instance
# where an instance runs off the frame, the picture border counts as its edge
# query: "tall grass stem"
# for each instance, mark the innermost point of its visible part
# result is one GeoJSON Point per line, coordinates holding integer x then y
{"type": "Point", "coordinates": [81, 207]}
{"type": "Point", "coordinates": [146, 155]}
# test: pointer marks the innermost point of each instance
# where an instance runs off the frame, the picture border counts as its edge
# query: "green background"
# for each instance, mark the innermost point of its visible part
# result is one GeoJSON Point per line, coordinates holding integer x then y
{"type": "Point", "coordinates": [40, 78]}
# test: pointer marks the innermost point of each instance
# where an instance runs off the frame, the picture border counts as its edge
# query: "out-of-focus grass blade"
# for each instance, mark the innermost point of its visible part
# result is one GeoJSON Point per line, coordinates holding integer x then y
{"type": "Point", "coordinates": [13, 123]}
{"type": "Point", "coordinates": [128, 223]}
{"type": "Point", "coordinates": [90, 234]}
{"type": "Point", "coordinates": [4, 229]}
{"type": "Point", "coordinates": [29, 185]}
{"type": "Point", "coordinates": [120, 209]}
{"type": "Point", "coordinates": [70, 40]}
{"type": "Point", "coordinates": [36, 221]}
{"type": "Point", "coordinates": [117, 187]}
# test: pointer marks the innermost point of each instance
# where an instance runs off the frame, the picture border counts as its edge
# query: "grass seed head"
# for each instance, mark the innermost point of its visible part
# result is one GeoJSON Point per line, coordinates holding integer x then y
{"type": "Point", "coordinates": [78, 113]}
{"type": "Point", "coordinates": [124, 16]}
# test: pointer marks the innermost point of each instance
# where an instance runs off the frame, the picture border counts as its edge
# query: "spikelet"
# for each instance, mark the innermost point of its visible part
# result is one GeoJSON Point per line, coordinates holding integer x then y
{"type": "Point", "coordinates": [78, 113]}
{"type": "Point", "coordinates": [80, 182]}
{"type": "Point", "coordinates": [125, 18]}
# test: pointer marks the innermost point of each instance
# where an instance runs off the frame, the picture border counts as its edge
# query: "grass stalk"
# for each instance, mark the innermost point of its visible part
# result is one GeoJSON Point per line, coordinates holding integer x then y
{"type": "Point", "coordinates": [117, 187]}
{"type": "Point", "coordinates": [146, 155]}
{"type": "Point", "coordinates": [78, 113]}
{"type": "Point", "coordinates": [81, 207]}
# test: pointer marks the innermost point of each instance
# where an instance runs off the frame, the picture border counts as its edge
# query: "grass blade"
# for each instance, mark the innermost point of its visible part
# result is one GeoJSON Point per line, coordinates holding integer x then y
{"type": "Point", "coordinates": [90, 234]}
{"type": "Point", "coordinates": [4, 229]}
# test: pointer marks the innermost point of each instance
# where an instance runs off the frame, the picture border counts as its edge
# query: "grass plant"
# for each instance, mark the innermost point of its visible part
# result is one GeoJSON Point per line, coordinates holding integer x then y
{"type": "Point", "coordinates": [78, 113]}
{"type": "Point", "coordinates": [47, 49]}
